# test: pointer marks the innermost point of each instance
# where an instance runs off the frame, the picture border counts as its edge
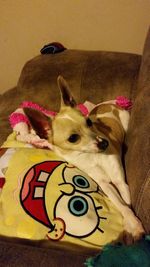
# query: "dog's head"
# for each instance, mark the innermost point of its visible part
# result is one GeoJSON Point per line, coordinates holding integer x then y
{"type": "Point", "coordinates": [69, 130]}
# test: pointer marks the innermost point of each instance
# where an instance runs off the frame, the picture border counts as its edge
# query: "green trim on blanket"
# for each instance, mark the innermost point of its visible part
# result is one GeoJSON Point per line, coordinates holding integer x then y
{"type": "Point", "coordinates": [120, 255]}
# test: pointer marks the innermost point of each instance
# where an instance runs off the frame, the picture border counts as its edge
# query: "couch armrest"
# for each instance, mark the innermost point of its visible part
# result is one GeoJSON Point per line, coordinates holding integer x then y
{"type": "Point", "coordinates": [138, 142]}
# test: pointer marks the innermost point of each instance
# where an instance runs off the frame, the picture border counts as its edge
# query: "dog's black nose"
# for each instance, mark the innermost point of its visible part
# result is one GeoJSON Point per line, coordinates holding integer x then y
{"type": "Point", "coordinates": [102, 143]}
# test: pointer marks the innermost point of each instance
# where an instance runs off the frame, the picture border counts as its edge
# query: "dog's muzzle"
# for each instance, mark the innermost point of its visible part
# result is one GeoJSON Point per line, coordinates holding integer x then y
{"type": "Point", "coordinates": [102, 143]}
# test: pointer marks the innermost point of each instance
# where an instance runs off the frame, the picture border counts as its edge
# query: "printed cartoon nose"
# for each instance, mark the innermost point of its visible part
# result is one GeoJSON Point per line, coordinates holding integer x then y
{"type": "Point", "coordinates": [67, 189]}
{"type": "Point", "coordinates": [102, 143]}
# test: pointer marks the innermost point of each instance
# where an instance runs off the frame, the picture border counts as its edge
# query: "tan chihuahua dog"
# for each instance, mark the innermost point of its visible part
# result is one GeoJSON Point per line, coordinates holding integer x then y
{"type": "Point", "coordinates": [93, 145]}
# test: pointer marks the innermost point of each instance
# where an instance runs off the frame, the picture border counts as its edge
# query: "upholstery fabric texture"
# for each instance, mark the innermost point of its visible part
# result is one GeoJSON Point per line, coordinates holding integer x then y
{"type": "Point", "coordinates": [138, 142]}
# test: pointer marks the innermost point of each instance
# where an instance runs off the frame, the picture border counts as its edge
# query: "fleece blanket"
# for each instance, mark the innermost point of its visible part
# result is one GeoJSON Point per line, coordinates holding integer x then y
{"type": "Point", "coordinates": [120, 255]}
{"type": "Point", "coordinates": [44, 197]}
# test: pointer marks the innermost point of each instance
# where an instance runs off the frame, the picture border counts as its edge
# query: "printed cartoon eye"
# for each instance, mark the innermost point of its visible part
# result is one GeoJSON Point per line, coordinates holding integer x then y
{"type": "Point", "coordinates": [79, 214]}
{"type": "Point", "coordinates": [74, 138]}
{"type": "Point", "coordinates": [81, 181]}
{"type": "Point", "coordinates": [78, 206]}
{"type": "Point", "coordinates": [89, 122]}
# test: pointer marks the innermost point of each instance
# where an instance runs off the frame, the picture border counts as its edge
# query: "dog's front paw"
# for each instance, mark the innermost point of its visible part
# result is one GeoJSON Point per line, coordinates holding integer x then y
{"type": "Point", "coordinates": [134, 231]}
{"type": "Point", "coordinates": [42, 143]}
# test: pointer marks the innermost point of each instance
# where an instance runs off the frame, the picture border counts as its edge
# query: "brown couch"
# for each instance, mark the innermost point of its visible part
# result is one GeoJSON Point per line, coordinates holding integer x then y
{"type": "Point", "coordinates": [94, 76]}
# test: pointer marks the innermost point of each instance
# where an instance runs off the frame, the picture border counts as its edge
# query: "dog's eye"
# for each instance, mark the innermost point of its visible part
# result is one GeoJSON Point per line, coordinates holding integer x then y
{"type": "Point", "coordinates": [89, 122]}
{"type": "Point", "coordinates": [74, 138]}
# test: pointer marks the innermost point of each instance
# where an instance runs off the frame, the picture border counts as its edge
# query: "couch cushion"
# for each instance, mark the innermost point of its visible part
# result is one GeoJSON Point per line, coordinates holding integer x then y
{"type": "Point", "coordinates": [16, 252]}
{"type": "Point", "coordinates": [138, 155]}
{"type": "Point", "coordinates": [92, 75]}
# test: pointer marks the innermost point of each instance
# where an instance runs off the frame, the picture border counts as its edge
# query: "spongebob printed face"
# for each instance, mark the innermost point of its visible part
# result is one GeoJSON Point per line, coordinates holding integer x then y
{"type": "Point", "coordinates": [59, 196]}
{"type": "Point", "coordinates": [75, 204]}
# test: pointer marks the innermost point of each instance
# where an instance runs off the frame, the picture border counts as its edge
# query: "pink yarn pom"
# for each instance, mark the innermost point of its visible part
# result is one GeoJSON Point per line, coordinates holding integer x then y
{"type": "Point", "coordinates": [123, 102]}
{"type": "Point", "coordinates": [83, 109]}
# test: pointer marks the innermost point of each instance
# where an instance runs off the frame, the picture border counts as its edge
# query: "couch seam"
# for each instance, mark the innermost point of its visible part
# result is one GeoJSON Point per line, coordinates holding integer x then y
{"type": "Point", "coordinates": [84, 72]}
{"type": "Point", "coordinates": [140, 196]}
{"type": "Point", "coordinates": [134, 85]}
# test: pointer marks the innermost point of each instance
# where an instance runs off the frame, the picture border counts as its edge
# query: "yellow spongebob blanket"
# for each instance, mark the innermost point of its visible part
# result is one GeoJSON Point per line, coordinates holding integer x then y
{"type": "Point", "coordinates": [44, 197]}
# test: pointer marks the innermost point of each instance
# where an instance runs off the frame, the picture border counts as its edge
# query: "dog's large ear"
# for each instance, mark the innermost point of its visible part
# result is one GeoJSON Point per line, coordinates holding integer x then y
{"type": "Point", "coordinates": [66, 97]}
{"type": "Point", "coordinates": [39, 122]}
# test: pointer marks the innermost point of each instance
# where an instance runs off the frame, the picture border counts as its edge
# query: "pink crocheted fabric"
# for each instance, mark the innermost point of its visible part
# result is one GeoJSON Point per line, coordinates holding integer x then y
{"type": "Point", "coordinates": [83, 109]}
{"type": "Point", "coordinates": [29, 104]}
{"type": "Point", "coordinates": [17, 117]}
